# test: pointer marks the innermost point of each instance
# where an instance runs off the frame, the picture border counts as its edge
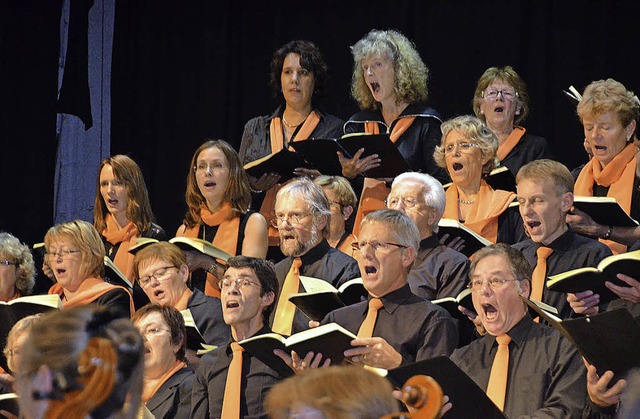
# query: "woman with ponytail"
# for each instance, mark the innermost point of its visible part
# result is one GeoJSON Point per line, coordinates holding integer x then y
{"type": "Point", "coordinates": [80, 363]}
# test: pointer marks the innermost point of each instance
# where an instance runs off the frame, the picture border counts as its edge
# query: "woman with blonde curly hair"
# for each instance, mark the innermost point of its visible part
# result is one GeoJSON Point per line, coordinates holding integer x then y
{"type": "Point", "coordinates": [389, 83]}
{"type": "Point", "coordinates": [468, 151]}
{"type": "Point", "coordinates": [609, 114]}
{"type": "Point", "coordinates": [81, 363]}
{"type": "Point", "coordinates": [16, 268]}
{"type": "Point", "coordinates": [219, 197]}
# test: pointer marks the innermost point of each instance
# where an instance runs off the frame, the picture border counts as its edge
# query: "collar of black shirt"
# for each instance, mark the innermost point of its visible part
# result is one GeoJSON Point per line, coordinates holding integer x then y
{"type": "Point", "coordinates": [563, 242]}
{"type": "Point", "coordinates": [519, 331]}
{"type": "Point", "coordinates": [394, 299]}
{"type": "Point", "coordinates": [315, 253]}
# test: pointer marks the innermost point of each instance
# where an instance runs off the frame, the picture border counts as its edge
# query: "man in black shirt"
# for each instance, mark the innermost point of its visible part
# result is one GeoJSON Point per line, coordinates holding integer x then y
{"type": "Point", "coordinates": [545, 375]}
{"type": "Point", "coordinates": [545, 195]}
{"type": "Point", "coordinates": [438, 271]}
{"type": "Point", "coordinates": [248, 290]}
{"type": "Point", "coordinates": [302, 218]}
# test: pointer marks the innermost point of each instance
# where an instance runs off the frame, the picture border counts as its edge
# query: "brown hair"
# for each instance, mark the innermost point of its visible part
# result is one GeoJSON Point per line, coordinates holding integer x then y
{"type": "Point", "coordinates": [96, 362]}
{"type": "Point", "coordinates": [266, 274]}
{"type": "Point", "coordinates": [238, 193]}
{"type": "Point", "coordinates": [547, 171]}
{"type": "Point", "coordinates": [508, 75]}
{"type": "Point", "coordinates": [310, 59]}
{"type": "Point", "coordinates": [174, 320]}
{"type": "Point", "coordinates": [339, 392]}
{"type": "Point", "coordinates": [164, 251]}
{"type": "Point", "coordinates": [139, 207]}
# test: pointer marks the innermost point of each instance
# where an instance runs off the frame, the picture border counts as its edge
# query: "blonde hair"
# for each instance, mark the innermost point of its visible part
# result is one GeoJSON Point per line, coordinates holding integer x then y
{"type": "Point", "coordinates": [547, 171]}
{"type": "Point", "coordinates": [609, 95]}
{"type": "Point", "coordinates": [411, 73]}
{"type": "Point", "coordinates": [12, 249]}
{"type": "Point", "coordinates": [475, 130]}
{"type": "Point", "coordinates": [339, 392]}
{"type": "Point", "coordinates": [84, 237]}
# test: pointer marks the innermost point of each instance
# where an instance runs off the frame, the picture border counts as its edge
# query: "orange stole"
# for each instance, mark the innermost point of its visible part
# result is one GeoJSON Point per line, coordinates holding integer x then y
{"type": "Point", "coordinates": [226, 237]}
{"type": "Point", "coordinates": [276, 133]}
{"type": "Point", "coordinates": [90, 289]}
{"type": "Point", "coordinates": [618, 175]}
{"type": "Point", "coordinates": [374, 192]}
{"type": "Point", "coordinates": [484, 213]}
{"type": "Point", "coordinates": [147, 393]}
{"type": "Point", "coordinates": [126, 236]}
{"type": "Point", "coordinates": [512, 140]}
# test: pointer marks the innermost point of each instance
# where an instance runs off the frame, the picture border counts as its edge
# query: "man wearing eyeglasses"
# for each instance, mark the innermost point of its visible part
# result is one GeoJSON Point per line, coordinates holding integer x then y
{"type": "Point", "coordinates": [406, 328]}
{"type": "Point", "coordinates": [249, 289]}
{"type": "Point", "coordinates": [302, 218]}
{"type": "Point", "coordinates": [438, 271]}
{"type": "Point", "coordinates": [162, 272]}
{"type": "Point", "coordinates": [527, 369]}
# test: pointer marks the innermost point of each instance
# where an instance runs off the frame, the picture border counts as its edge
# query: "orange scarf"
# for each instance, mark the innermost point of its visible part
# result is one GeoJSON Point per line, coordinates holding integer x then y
{"type": "Point", "coordinates": [90, 290]}
{"type": "Point", "coordinates": [374, 191]}
{"type": "Point", "coordinates": [512, 140]}
{"type": "Point", "coordinates": [226, 237]}
{"type": "Point", "coordinates": [148, 392]}
{"type": "Point", "coordinates": [182, 302]}
{"type": "Point", "coordinates": [267, 209]}
{"type": "Point", "coordinates": [484, 213]}
{"type": "Point", "coordinates": [126, 237]}
{"type": "Point", "coordinates": [402, 124]}
{"type": "Point", "coordinates": [618, 175]}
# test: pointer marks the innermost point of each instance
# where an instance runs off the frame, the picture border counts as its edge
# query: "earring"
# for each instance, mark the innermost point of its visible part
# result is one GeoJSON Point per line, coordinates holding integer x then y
{"type": "Point", "coordinates": [481, 112]}
{"type": "Point", "coordinates": [517, 111]}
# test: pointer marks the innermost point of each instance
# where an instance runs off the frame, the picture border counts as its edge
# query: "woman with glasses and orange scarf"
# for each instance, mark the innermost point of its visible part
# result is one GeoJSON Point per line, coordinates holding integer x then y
{"type": "Point", "coordinates": [75, 255]}
{"type": "Point", "coordinates": [501, 101]}
{"type": "Point", "coordinates": [219, 199]}
{"type": "Point", "coordinates": [468, 151]}
{"type": "Point", "coordinates": [609, 114]}
{"type": "Point", "coordinates": [122, 214]}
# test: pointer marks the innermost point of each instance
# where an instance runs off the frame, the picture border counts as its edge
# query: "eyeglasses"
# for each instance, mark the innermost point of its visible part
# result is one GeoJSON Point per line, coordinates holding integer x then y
{"type": "Point", "coordinates": [154, 331]}
{"type": "Point", "coordinates": [8, 263]}
{"type": "Point", "coordinates": [206, 168]}
{"type": "Point", "coordinates": [240, 283]}
{"type": "Point", "coordinates": [64, 254]}
{"type": "Point", "coordinates": [159, 274]}
{"type": "Point", "coordinates": [407, 202]}
{"type": "Point", "coordinates": [293, 219]}
{"type": "Point", "coordinates": [464, 146]}
{"type": "Point", "coordinates": [492, 94]}
{"type": "Point", "coordinates": [494, 283]}
{"type": "Point", "coordinates": [375, 246]}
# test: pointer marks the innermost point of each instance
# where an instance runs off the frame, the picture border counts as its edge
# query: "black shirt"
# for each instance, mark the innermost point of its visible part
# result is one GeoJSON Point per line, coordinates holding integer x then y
{"type": "Point", "coordinates": [322, 262]}
{"type": "Point", "coordinates": [414, 327]}
{"type": "Point", "coordinates": [570, 251]}
{"type": "Point", "coordinates": [211, 379]}
{"type": "Point", "coordinates": [547, 378]}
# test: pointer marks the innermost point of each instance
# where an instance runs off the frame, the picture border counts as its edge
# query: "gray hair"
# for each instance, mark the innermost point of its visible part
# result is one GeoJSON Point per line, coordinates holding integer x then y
{"type": "Point", "coordinates": [432, 189]}
{"type": "Point", "coordinates": [14, 251]}
{"type": "Point", "coordinates": [399, 223]}
{"type": "Point", "coordinates": [313, 195]}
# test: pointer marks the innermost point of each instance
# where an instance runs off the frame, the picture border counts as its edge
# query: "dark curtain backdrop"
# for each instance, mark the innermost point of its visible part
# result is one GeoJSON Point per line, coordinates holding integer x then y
{"type": "Point", "coordinates": [183, 71]}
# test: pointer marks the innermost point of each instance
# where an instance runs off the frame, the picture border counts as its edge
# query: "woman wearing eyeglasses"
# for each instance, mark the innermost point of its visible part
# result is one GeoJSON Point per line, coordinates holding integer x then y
{"type": "Point", "coordinates": [467, 151]}
{"type": "Point", "coordinates": [167, 379]}
{"type": "Point", "coordinates": [218, 199]}
{"type": "Point", "coordinates": [75, 254]}
{"type": "Point", "coordinates": [122, 213]}
{"type": "Point", "coordinates": [16, 268]}
{"type": "Point", "coordinates": [502, 102]}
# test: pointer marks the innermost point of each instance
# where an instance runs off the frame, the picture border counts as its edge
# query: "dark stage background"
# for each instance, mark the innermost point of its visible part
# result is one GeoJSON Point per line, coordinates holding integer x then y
{"type": "Point", "coordinates": [195, 69]}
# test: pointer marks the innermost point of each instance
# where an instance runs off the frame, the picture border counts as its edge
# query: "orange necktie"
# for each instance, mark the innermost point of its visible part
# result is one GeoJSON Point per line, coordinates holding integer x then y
{"type": "Point", "coordinates": [540, 273]}
{"type": "Point", "coordinates": [231, 401]}
{"type": "Point", "coordinates": [497, 387]}
{"type": "Point", "coordinates": [366, 328]}
{"type": "Point", "coordinates": [283, 320]}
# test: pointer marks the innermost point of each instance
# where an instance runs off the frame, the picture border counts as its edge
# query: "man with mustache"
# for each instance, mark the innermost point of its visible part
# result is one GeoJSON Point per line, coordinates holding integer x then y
{"type": "Point", "coordinates": [302, 213]}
